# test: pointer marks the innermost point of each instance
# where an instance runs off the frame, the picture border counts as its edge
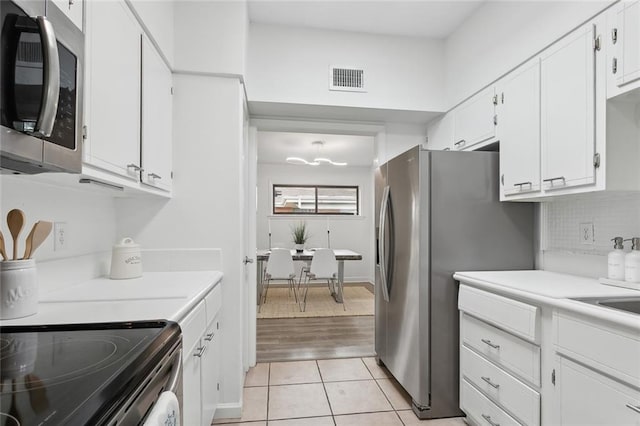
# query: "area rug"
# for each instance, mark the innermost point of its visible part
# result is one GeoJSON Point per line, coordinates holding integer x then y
{"type": "Point", "coordinates": [357, 300]}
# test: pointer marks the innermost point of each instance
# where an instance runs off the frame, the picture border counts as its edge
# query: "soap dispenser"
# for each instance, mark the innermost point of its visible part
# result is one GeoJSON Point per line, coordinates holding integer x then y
{"type": "Point", "coordinates": [616, 260]}
{"type": "Point", "coordinates": [632, 262]}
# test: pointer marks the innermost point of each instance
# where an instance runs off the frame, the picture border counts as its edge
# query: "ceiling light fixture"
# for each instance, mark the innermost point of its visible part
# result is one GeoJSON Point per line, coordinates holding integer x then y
{"type": "Point", "coordinates": [316, 161]}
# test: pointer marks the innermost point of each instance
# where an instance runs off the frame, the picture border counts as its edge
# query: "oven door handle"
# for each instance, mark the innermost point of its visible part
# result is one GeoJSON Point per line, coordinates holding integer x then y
{"type": "Point", "coordinates": [174, 381]}
{"type": "Point", "coordinates": [51, 83]}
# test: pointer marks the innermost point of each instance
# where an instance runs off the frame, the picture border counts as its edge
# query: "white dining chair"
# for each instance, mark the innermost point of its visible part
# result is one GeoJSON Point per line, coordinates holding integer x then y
{"type": "Point", "coordinates": [324, 266]}
{"type": "Point", "coordinates": [279, 267]}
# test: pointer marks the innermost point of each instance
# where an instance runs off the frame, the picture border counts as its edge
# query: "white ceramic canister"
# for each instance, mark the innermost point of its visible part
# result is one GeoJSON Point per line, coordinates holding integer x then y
{"type": "Point", "coordinates": [18, 288]}
{"type": "Point", "coordinates": [126, 260]}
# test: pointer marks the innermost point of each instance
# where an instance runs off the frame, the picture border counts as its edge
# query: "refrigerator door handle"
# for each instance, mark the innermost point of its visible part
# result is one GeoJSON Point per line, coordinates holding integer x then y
{"type": "Point", "coordinates": [381, 245]}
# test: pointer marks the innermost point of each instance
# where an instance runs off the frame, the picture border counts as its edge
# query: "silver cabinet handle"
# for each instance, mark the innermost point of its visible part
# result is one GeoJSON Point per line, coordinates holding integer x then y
{"type": "Point", "coordinates": [635, 408]}
{"type": "Point", "coordinates": [488, 380]}
{"type": "Point", "coordinates": [209, 337]}
{"type": "Point", "coordinates": [200, 351]}
{"type": "Point", "coordinates": [154, 176]}
{"type": "Point", "coordinates": [447, 149]}
{"type": "Point", "coordinates": [460, 143]}
{"type": "Point", "coordinates": [51, 84]}
{"type": "Point", "coordinates": [489, 343]}
{"type": "Point", "coordinates": [521, 184]}
{"type": "Point", "coordinates": [488, 419]}
{"type": "Point", "coordinates": [135, 167]}
{"type": "Point", "coordinates": [551, 180]}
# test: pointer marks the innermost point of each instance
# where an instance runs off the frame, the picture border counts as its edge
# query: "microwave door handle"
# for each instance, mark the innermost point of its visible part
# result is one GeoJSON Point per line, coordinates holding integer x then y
{"type": "Point", "coordinates": [51, 83]}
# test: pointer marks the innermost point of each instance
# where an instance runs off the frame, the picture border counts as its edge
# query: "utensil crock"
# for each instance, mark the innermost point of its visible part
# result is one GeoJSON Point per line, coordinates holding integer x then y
{"type": "Point", "coordinates": [18, 288]}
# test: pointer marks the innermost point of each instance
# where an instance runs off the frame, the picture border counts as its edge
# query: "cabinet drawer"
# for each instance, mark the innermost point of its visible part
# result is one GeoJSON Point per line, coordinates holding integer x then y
{"type": "Point", "coordinates": [612, 351]}
{"type": "Point", "coordinates": [213, 302]}
{"type": "Point", "coordinates": [193, 326]}
{"type": "Point", "coordinates": [481, 410]}
{"type": "Point", "coordinates": [501, 387]}
{"type": "Point", "coordinates": [510, 352]}
{"type": "Point", "coordinates": [587, 397]}
{"type": "Point", "coordinates": [511, 315]}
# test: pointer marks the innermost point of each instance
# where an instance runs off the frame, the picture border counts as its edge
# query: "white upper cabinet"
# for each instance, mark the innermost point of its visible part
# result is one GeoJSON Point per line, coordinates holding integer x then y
{"type": "Point", "coordinates": [440, 133]}
{"type": "Point", "coordinates": [519, 112]}
{"type": "Point", "coordinates": [156, 119]}
{"type": "Point", "coordinates": [475, 120]}
{"type": "Point", "coordinates": [113, 83]}
{"type": "Point", "coordinates": [625, 64]}
{"type": "Point", "coordinates": [71, 8]}
{"type": "Point", "coordinates": [568, 111]}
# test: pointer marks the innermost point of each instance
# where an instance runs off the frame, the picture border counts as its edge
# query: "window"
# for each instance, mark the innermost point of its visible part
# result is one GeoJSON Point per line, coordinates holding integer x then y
{"type": "Point", "coordinates": [316, 199]}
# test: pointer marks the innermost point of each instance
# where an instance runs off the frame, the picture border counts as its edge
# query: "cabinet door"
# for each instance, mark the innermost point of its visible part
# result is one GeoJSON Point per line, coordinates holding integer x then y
{"type": "Point", "coordinates": [586, 397]}
{"type": "Point", "coordinates": [113, 98]}
{"type": "Point", "coordinates": [568, 111]}
{"type": "Point", "coordinates": [71, 8]}
{"type": "Point", "coordinates": [210, 373]}
{"type": "Point", "coordinates": [156, 147]}
{"type": "Point", "coordinates": [440, 133]}
{"type": "Point", "coordinates": [519, 111]}
{"type": "Point", "coordinates": [475, 120]}
{"type": "Point", "coordinates": [191, 373]}
{"type": "Point", "coordinates": [628, 41]}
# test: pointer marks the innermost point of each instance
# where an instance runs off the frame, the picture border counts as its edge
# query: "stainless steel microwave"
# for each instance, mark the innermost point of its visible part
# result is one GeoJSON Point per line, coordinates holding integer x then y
{"type": "Point", "coordinates": [41, 73]}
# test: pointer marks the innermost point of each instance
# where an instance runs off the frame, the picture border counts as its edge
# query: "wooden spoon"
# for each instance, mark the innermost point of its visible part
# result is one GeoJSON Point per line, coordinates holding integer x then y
{"type": "Point", "coordinates": [15, 220]}
{"type": "Point", "coordinates": [2, 249]}
{"type": "Point", "coordinates": [40, 231]}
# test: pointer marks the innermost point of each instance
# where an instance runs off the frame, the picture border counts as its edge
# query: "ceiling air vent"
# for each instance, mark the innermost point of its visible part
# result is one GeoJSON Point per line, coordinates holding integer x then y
{"type": "Point", "coordinates": [346, 79]}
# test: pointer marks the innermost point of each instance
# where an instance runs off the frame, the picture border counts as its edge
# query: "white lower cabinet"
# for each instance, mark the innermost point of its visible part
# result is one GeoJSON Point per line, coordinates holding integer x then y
{"type": "Point", "coordinates": [201, 361]}
{"type": "Point", "coordinates": [480, 409]}
{"type": "Point", "coordinates": [586, 397]}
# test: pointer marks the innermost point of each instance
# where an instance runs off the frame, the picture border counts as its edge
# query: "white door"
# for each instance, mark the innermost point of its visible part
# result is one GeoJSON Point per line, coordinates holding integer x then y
{"type": "Point", "coordinates": [113, 95]}
{"type": "Point", "coordinates": [440, 133]}
{"type": "Point", "coordinates": [474, 120]}
{"type": "Point", "coordinates": [568, 111]}
{"type": "Point", "coordinates": [157, 103]}
{"type": "Point", "coordinates": [250, 207]}
{"type": "Point", "coordinates": [519, 112]}
{"type": "Point", "coordinates": [71, 8]}
{"type": "Point", "coordinates": [628, 43]}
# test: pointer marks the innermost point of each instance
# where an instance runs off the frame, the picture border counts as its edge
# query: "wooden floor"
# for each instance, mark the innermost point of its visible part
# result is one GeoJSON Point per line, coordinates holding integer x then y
{"type": "Point", "coordinates": [287, 339]}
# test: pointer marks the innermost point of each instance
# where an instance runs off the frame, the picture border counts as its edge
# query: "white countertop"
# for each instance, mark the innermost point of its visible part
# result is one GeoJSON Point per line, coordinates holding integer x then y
{"type": "Point", "coordinates": [554, 289]}
{"type": "Point", "coordinates": [156, 295]}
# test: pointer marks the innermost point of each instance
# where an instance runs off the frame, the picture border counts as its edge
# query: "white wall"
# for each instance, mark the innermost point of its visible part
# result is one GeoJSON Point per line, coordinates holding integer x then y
{"type": "Point", "coordinates": [205, 210]}
{"type": "Point", "coordinates": [157, 18]}
{"type": "Point", "coordinates": [89, 217]}
{"type": "Point", "coordinates": [398, 138]}
{"type": "Point", "coordinates": [354, 233]}
{"type": "Point", "coordinates": [291, 65]}
{"type": "Point", "coordinates": [501, 35]}
{"type": "Point", "coordinates": [211, 36]}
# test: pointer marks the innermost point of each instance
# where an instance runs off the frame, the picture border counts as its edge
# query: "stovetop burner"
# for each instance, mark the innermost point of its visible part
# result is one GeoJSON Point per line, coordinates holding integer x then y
{"type": "Point", "coordinates": [75, 374]}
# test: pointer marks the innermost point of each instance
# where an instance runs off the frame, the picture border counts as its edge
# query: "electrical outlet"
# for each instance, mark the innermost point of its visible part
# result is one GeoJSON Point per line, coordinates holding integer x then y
{"type": "Point", "coordinates": [59, 236]}
{"type": "Point", "coordinates": [586, 233]}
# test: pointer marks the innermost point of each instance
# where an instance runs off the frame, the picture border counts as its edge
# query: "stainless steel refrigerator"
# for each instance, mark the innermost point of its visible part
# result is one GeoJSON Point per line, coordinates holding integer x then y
{"type": "Point", "coordinates": [437, 212]}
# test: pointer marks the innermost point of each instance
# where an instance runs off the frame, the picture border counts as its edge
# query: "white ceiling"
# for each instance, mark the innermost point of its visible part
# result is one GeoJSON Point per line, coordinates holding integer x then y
{"type": "Point", "coordinates": [275, 147]}
{"type": "Point", "coordinates": [415, 18]}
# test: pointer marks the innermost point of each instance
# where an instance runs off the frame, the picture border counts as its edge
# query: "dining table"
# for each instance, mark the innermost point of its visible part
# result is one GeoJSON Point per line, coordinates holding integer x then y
{"type": "Point", "coordinates": [262, 255]}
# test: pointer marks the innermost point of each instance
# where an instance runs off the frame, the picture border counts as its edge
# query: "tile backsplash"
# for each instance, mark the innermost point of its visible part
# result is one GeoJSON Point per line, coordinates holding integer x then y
{"type": "Point", "coordinates": [612, 214]}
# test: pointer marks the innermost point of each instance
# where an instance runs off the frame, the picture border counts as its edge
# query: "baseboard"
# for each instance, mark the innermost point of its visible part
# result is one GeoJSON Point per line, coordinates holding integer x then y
{"type": "Point", "coordinates": [228, 410]}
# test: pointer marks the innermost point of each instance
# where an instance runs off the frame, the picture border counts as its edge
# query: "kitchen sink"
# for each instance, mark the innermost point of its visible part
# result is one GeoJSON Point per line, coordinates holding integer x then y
{"type": "Point", "coordinates": [626, 304]}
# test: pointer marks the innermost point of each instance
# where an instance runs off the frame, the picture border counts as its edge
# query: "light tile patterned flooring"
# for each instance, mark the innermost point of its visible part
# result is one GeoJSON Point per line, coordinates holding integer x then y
{"type": "Point", "coordinates": [333, 392]}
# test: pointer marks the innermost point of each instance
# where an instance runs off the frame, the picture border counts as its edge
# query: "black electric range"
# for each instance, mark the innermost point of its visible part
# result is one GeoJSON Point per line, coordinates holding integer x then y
{"type": "Point", "coordinates": [76, 374]}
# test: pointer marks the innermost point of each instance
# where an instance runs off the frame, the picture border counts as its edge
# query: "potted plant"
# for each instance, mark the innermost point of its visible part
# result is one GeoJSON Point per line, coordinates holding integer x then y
{"type": "Point", "coordinates": [300, 235]}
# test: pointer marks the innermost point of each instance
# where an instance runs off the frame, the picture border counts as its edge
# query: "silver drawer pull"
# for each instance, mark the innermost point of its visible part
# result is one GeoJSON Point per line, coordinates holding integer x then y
{"type": "Point", "coordinates": [488, 380]}
{"type": "Point", "coordinates": [154, 176]}
{"type": "Point", "coordinates": [460, 143]}
{"type": "Point", "coordinates": [521, 184]}
{"type": "Point", "coordinates": [201, 350]}
{"type": "Point", "coordinates": [209, 337]}
{"type": "Point", "coordinates": [135, 167]}
{"type": "Point", "coordinates": [635, 408]}
{"type": "Point", "coordinates": [488, 419]}
{"type": "Point", "coordinates": [551, 180]}
{"type": "Point", "coordinates": [488, 342]}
